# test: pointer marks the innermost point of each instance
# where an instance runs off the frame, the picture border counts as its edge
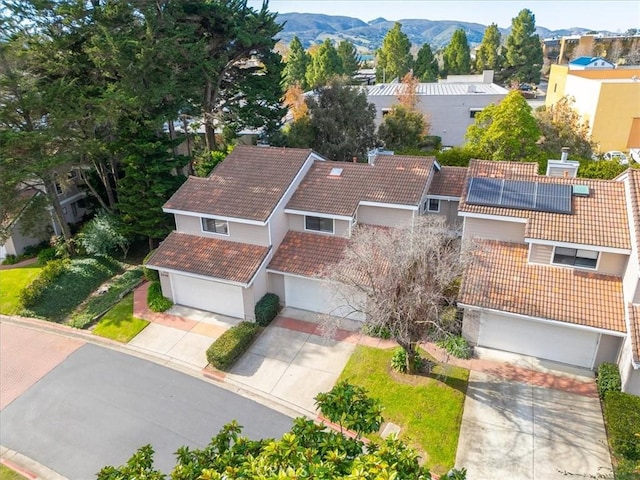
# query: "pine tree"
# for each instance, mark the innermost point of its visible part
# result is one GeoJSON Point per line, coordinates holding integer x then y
{"type": "Point", "coordinates": [394, 58]}
{"type": "Point", "coordinates": [324, 65]}
{"type": "Point", "coordinates": [457, 56]}
{"type": "Point", "coordinates": [297, 63]}
{"type": "Point", "coordinates": [488, 54]}
{"type": "Point", "coordinates": [349, 58]}
{"type": "Point", "coordinates": [523, 57]}
{"type": "Point", "coordinates": [426, 65]}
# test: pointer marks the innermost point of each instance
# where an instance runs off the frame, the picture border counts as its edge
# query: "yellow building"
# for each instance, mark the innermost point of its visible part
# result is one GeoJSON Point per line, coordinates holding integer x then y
{"type": "Point", "coordinates": [608, 99]}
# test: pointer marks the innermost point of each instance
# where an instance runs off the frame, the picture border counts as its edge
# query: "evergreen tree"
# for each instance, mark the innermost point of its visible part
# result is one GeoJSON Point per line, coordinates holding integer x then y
{"type": "Point", "coordinates": [403, 129]}
{"type": "Point", "coordinates": [506, 131]}
{"type": "Point", "coordinates": [488, 54]}
{"type": "Point", "coordinates": [297, 63]}
{"type": "Point", "coordinates": [394, 58]}
{"type": "Point", "coordinates": [426, 66]}
{"type": "Point", "coordinates": [456, 55]}
{"type": "Point", "coordinates": [349, 58]}
{"type": "Point", "coordinates": [523, 57]}
{"type": "Point", "coordinates": [325, 64]}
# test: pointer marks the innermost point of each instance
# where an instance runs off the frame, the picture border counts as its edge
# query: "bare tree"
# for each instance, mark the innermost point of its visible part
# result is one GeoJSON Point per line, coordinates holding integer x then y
{"type": "Point", "coordinates": [403, 279]}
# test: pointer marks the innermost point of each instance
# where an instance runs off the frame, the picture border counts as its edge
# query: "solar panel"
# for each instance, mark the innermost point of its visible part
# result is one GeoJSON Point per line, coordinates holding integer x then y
{"type": "Point", "coordinates": [523, 195]}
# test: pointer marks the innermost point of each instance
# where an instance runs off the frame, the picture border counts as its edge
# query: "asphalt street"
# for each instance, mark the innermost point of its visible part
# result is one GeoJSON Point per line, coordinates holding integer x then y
{"type": "Point", "coordinates": [98, 406]}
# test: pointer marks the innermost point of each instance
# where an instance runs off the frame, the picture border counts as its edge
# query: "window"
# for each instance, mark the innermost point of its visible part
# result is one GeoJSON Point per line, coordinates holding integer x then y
{"type": "Point", "coordinates": [215, 225]}
{"type": "Point", "coordinates": [58, 188]}
{"type": "Point", "coordinates": [318, 224]}
{"type": "Point", "coordinates": [555, 87]}
{"type": "Point", "coordinates": [74, 209]}
{"type": "Point", "coordinates": [434, 205]}
{"type": "Point", "coordinates": [575, 257]}
{"type": "Point", "coordinates": [385, 112]}
{"type": "Point", "coordinates": [474, 111]}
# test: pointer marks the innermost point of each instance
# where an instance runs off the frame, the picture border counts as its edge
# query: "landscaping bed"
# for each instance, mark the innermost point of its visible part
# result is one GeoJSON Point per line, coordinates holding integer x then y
{"type": "Point", "coordinates": [428, 408]}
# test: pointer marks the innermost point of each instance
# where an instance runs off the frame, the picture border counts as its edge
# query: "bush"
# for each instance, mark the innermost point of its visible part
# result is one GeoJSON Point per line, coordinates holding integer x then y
{"type": "Point", "coordinates": [622, 416]}
{"type": "Point", "coordinates": [155, 300]}
{"type": "Point", "coordinates": [46, 255]}
{"type": "Point", "coordinates": [149, 274]}
{"type": "Point", "coordinates": [231, 344]}
{"type": "Point", "coordinates": [608, 379]}
{"type": "Point", "coordinates": [32, 293]}
{"type": "Point", "coordinates": [267, 309]}
{"type": "Point", "coordinates": [10, 260]}
{"type": "Point", "coordinates": [399, 361]}
{"type": "Point", "coordinates": [377, 331]}
{"type": "Point", "coordinates": [456, 346]}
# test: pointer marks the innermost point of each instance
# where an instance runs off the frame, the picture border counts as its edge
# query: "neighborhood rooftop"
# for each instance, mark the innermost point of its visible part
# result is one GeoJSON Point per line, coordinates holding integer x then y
{"type": "Point", "coordinates": [449, 88]}
{"type": "Point", "coordinates": [448, 182]}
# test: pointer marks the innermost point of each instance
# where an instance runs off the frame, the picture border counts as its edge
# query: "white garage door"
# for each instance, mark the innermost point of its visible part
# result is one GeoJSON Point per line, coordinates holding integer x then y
{"type": "Point", "coordinates": [315, 296]}
{"type": "Point", "coordinates": [551, 342]}
{"type": "Point", "coordinates": [206, 295]}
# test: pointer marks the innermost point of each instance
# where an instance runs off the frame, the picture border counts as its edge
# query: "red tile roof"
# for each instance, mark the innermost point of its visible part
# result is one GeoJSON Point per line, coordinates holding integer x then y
{"type": "Point", "coordinates": [500, 278]}
{"type": "Point", "coordinates": [599, 219]}
{"type": "Point", "coordinates": [449, 181]}
{"type": "Point", "coordinates": [634, 333]}
{"type": "Point", "coordinates": [394, 179]}
{"type": "Point", "coordinates": [248, 184]}
{"type": "Point", "coordinates": [307, 254]}
{"type": "Point", "coordinates": [210, 257]}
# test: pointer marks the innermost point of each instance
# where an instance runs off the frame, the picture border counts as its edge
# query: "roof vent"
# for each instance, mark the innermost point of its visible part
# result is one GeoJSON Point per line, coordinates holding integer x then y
{"type": "Point", "coordinates": [336, 172]}
{"type": "Point", "coordinates": [581, 190]}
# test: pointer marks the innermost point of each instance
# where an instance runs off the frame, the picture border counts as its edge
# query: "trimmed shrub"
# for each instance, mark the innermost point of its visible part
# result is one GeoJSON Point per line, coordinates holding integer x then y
{"type": "Point", "coordinates": [456, 346]}
{"type": "Point", "coordinates": [377, 331]}
{"type": "Point", "coordinates": [608, 379]}
{"type": "Point", "coordinates": [399, 361]}
{"type": "Point", "coordinates": [267, 309]}
{"type": "Point", "coordinates": [31, 294]}
{"type": "Point", "coordinates": [622, 416]}
{"type": "Point", "coordinates": [155, 300]}
{"type": "Point", "coordinates": [149, 274]}
{"type": "Point", "coordinates": [231, 344]}
{"type": "Point", "coordinates": [10, 260]}
{"type": "Point", "coordinates": [46, 255]}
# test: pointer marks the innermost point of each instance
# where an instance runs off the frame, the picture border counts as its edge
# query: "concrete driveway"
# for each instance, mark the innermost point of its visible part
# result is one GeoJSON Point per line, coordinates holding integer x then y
{"type": "Point", "coordinates": [516, 430]}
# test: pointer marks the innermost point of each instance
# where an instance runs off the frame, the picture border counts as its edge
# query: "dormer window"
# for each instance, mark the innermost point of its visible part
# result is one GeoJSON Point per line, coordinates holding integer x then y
{"type": "Point", "coordinates": [215, 225]}
{"type": "Point", "coordinates": [318, 224]}
{"type": "Point", "coordinates": [575, 257]}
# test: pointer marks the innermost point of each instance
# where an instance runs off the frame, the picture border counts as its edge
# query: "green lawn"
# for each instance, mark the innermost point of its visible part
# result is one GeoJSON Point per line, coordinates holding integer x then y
{"type": "Point", "coordinates": [7, 474]}
{"type": "Point", "coordinates": [119, 323]}
{"type": "Point", "coordinates": [11, 283]}
{"type": "Point", "coordinates": [427, 408]}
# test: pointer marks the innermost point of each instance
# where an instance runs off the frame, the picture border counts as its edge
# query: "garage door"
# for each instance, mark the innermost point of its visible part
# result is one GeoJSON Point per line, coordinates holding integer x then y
{"type": "Point", "coordinates": [551, 342]}
{"type": "Point", "coordinates": [207, 295]}
{"type": "Point", "coordinates": [316, 296]}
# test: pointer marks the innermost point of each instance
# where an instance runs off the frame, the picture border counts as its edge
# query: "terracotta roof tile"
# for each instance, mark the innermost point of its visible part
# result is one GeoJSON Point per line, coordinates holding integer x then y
{"type": "Point", "coordinates": [599, 219]}
{"type": "Point", "coordinates": [449, 181]}
{"type": "Point", "coordinates": [222, 259]}
{"type": "Point", "coordinates": [307, 254]}
{"type": "Point", "coordinates": [394, 179]}
{"type": "Point", "coordinates": [634, 194]}
{"type": "Point", "coordinates": [248, 184]}
{"type": "Point", "coordinates": [634, 333]}
{"type": "Point", "coordinates": [501, 279]}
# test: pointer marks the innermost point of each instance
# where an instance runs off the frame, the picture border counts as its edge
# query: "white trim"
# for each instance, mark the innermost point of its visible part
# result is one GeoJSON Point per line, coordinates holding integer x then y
{"type": "Point", "coordinates": [202, 219]}
{"type": "Point", "coordinates": [333, 225]}
{"type": "Point", "coordinates": [72, 198]}
{"type": "Point", "coordinates": [577, 267]}
{"type": "Point", "coordinates": [581, 246]}
{"type": "Point", "coordinates": [315, 214]}
{"type": "Point", "coordinates": [444, 197]}
{"type": "Point", "coordinates": [207, 215]}
{"type": "Point", "coordinates": [388, 205]}
{"type": "Point", "coordinates": [196, 275]}
{"type": "Point", "coordinates": [269, 270]}
{"type": "Point", "coordinates": [500, 218]}
{"type": "Point", "coordinates": [557, 323]}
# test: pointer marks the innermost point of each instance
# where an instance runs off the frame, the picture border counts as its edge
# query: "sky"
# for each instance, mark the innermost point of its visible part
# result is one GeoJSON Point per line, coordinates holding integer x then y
{"type": "Point", "coordinates": [610, 15]}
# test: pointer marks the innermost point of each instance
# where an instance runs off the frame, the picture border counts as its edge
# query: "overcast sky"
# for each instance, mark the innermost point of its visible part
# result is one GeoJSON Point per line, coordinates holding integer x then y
{"type": "Point", "coordinates": [614, 15]}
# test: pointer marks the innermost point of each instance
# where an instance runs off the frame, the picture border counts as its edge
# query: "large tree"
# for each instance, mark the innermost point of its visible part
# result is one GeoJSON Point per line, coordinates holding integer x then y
{"type": "Point", "coordinates": [523, 50]}
{"type": "Point", "coordinates": [296, 67]}
{"type": "Point", "coordinates": [349, 58]}
{"type": "Point", "coordinates": [506, 131]}
{"type": "Point", "coordinates": [339, 125]}
{"type": "Point", "coordinates": [402, 279]}
{"type": "Point", "coordinates": [456, 56]}
{"type": "Point", "coordinates": [488, 55]}
{"type": "Point", "coordinates": [426, 65]}
{"type": "Point", "coordinates": [325, 64]}
{"type": "Point", "coordinates": [403, 129]}
{"type": "Point", "coordinates": [393, 59]}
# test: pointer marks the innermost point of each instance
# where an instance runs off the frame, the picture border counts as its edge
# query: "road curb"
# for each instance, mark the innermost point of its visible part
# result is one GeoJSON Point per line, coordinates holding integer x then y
{"type": "Point", "coordinates": [27, 467]}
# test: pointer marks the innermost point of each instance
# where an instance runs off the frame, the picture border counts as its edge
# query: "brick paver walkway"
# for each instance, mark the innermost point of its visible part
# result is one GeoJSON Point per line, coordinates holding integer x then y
{"type": "Point", "coordinates": [141, 310]}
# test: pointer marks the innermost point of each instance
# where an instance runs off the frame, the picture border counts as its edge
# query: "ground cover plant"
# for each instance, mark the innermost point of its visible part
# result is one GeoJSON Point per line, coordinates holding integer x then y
{"type": "Point", "coordinates": [622, 418]}
{"type": "Point", "coordinates": [428, 408]}
{"type": "Point", "coordinates": [11, 284]}
{"type": "Point", "coordinates": [119, 323]}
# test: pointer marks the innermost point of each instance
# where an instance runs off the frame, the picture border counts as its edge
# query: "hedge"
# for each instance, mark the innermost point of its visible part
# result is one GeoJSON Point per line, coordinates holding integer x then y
{"type": "Point", "coordinates": [223, 353]}
{"type": "Point", "coordinates": [267, 309]}
{"type": "Point", "coordinates": [32, 293]}
{"type": "Point", "coordinates": [608, 379]}
{"type": "Point", "coordinates": [149, 274]}
{"type": "Point", "coordinates": [155, 300]}
{"type": "Point", "coordinates": [622, 416]}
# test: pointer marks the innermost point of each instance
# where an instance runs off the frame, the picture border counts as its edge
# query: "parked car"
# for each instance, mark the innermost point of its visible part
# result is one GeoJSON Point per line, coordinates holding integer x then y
{"type": "Point", "coordinates": [616, 155]}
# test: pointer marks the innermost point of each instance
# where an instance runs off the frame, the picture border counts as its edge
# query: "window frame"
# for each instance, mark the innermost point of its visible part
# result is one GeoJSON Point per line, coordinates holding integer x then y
{"type": "Point", "coordinates": [204, 224]}
{"type": "Point", "coordinates": [577, 259]}
{"type": "Point", "coordinates": [320, 221]}
{"type": "Point", "coordinates": [428, 202]}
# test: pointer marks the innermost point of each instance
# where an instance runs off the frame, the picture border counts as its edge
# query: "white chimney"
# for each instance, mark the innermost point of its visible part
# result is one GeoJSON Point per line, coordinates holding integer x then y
{"type": "Point", "coordinates": [565, 154]}
{"type": "Point", "coordinates": [563, 167]}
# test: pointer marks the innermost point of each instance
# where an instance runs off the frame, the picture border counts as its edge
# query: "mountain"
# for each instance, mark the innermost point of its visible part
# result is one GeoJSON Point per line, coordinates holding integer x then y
{"type": "Point", "coordinates": [312, 28]}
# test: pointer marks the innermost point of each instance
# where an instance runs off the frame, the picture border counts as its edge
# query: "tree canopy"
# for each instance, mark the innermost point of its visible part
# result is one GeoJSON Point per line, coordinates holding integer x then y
{"type": "Point", "coordinates": [488, 56]}
{"type": "Point", "coordinates": [325, 64]}
{"type": "Point", "coordinates": [456, 56]}
{"type": "Point", "coordinates": [349, 58]}
{"type": "Point", "coordinates": [295, 69]}
{"type": "Point", "coordinates": [394, 58]}
{"type": "Point", "coordinates": [523, 50]}
{"type": "Point", "coordinates": [426, 65]}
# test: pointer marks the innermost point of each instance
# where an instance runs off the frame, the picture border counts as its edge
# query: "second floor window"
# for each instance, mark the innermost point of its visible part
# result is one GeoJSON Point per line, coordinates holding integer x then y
{"type": "Point", "coordinates": [318, 224]}
{"type": "Point", "coordinates": [215, 225]}
{"type": "Point", "coordinates": [575, 257]}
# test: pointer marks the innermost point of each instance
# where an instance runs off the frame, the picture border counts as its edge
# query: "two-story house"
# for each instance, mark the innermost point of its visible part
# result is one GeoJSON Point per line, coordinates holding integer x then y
{"type": "Point", "coordinates": [551, 254]}
{"type": "Point", "coordinates": [273, 220]}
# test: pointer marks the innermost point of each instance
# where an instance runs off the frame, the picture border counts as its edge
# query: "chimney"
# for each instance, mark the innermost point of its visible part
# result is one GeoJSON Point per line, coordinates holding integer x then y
{"type": "Point", "coordinates": [563, 167]}
{"type": "Point", "coordinates": [565, 154]}
{"type": "Point", "coordinates": [354, 159]}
